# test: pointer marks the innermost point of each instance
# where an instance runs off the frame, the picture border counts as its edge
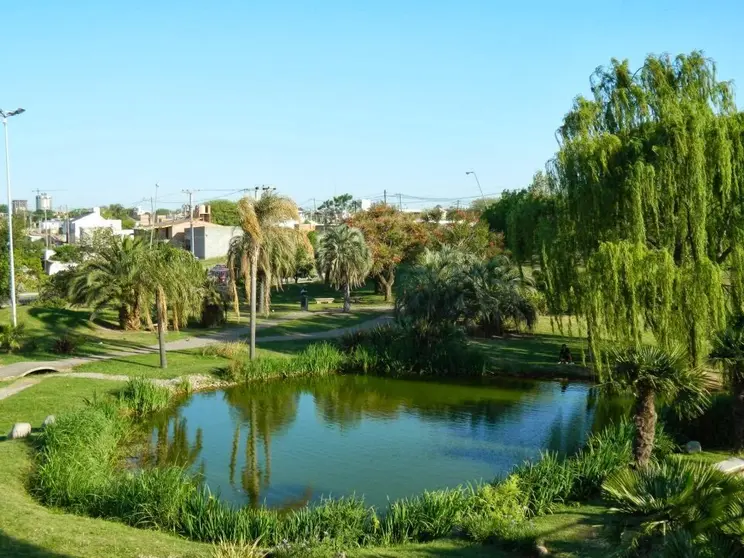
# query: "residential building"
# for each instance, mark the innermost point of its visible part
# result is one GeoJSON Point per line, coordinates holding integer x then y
{"type": "Point", "coordinates": [20, 206]}
{"type": "Point", "coordinates": [87, 225]}
{"type": "Point", "coordinates": [43, 202]}
{"type": "Point", "coordinates": [210, 240]}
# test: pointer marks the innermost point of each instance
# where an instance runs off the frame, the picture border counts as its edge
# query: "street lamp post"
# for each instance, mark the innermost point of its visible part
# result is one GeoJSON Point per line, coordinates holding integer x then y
{"type": "Point", "coordinates": [5, 115]}
{"type": "Point", "coordinates": [477, 182]}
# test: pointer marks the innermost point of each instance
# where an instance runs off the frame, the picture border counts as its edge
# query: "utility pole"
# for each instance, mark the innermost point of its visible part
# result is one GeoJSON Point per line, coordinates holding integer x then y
{"type": "Point", "coordinates": [191, 216]}
{"type": "Point", "coordinates": [400, 202]}
{"type": "Point", "coordinates": [153, 214]}
{"type": "Point", "coordinates": [4, 115]}
{"type": "Point", "coordinates": [315, 211]}
{"type": "Point", "coordinates": [384, 197]}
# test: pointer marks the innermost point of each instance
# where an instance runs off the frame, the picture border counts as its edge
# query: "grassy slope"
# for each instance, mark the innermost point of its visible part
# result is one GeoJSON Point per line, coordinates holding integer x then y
{"type": "Point", "coordinates": [537, 353]}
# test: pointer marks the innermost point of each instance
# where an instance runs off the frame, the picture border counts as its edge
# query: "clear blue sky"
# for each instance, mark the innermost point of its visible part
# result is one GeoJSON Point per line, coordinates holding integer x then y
{"type": "Point", "coordinates": [316, 97]}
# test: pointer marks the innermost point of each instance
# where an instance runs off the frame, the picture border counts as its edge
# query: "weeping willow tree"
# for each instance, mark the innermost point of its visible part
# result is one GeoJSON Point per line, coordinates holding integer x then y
{"type": "Point", "coordinates": [649, 180]}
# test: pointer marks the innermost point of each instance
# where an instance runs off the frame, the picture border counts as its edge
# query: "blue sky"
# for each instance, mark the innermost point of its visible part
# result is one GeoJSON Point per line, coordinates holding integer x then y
{"type": "Point", "coordinates": [319, 97]}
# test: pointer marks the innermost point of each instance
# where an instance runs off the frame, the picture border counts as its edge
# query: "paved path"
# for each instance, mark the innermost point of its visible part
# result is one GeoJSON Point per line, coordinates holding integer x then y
{"type": "Point", "coordinates": [20, 369]}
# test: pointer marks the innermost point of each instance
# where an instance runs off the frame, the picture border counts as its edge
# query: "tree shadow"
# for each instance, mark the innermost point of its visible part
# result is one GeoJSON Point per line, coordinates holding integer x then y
{"type": "Point", "coordinates": [14, 548]}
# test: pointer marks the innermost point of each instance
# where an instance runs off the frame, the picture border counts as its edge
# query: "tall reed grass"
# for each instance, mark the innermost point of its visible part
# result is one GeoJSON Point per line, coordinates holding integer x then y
{"type": "Point", "coordinates": [142, 396]}
{"type": "Point", "coordinates": [318, 359]}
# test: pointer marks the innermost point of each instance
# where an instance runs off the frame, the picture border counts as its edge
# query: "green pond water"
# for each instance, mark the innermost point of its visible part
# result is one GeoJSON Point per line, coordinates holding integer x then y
{"type": "Point", "coordinates": [288, 443]}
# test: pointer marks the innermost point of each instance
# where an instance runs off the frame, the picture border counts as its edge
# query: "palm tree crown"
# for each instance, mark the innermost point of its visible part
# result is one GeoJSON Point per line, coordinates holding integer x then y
{"type": "Point", "coordinates": [345, 255]}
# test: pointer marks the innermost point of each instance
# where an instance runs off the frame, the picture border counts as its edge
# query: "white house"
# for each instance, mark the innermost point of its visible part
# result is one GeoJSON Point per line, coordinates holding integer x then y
{"type": "Point", "coordinates": [88, 224]}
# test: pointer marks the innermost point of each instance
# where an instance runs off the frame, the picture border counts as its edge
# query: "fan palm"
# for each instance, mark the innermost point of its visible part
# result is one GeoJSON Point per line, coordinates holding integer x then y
{"type": "Point", "coordinates": [728, 349]}
{"type": "Point", "coordinates": [653, 375]}
{"type": "Point", "coordinates": [112, 276]}
{"type": "Point", "coordinates": [175, 280]}
{"type": "Point", "coordinates": [344, 253]}
{"type": "Point", "coordinates": [261, 221]}
{"type": "Point", "coordinates": [432, 289]}
{"type": "Point", "coordinates": [498, 291]}
{"type": "Point", "coordinates": [678, 508]}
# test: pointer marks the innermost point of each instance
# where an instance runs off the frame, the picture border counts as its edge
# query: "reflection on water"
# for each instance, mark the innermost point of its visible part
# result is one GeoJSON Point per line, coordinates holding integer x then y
{"type": "Point", "coordinates": [285, 444]}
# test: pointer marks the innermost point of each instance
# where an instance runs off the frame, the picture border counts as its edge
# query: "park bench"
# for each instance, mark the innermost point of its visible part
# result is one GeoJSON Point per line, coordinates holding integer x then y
{"type": "Point", "coordinates": [323, 300]}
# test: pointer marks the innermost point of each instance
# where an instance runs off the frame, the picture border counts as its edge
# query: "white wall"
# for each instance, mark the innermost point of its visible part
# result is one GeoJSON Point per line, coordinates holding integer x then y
{"type": "Point", "coordinates": [88, 224]}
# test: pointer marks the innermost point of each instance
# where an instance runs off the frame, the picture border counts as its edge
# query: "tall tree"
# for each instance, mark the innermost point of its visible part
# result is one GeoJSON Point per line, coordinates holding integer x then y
{"type": "Point", "coordinates": [344, 252]}
{"type": "Point", "coordinates": [650, 185]}
{"type": "Point", "coordinates": [113, 276]}
{"type": "Point", "coordinates": [392, 237]}
{"type": "Point", "coordinates": [225, 212]}
{"type": "Point", "coordinates": [338, 208]}
{"type": "Point", "coordinates": [261, 221]}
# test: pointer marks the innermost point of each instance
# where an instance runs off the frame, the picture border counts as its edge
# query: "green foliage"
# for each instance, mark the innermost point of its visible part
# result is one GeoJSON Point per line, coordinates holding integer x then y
{"type": "Point", "coordinates": [12, 337]}
{"type": "Point", "coordinates": [28, 257]}
{"type": "Point", "coordinates": [412, 349]}
{"type": "Point", "coordinates": [346, 259]}
{"type": "Point", "coordinates": [553, 480]}
{"type": "Point", "coordinates": [497, 513]}
{"type": "Point", "coordinates": [225, 212]}
{"type": "Point", "coordinates": [450, 286]}
{"type": "Point", "coordinates": [142, 396]}
{"type": "Point", "coordinates": [66, 344]}
{"type": "Point", "coordinates": [711, 428]}
{"type": "Point", "coordinates": [335, 210]}
{"type": "Point", "coordinates": [678, 508]}
{"type": "Point", "coordinates": [77, 470]}
{"type": "Point", "coordinates": [630, 253]}
{"type": "Point", "coordinates": [318, 359]}
{"type": "Point", "coordinates": [68, 253]}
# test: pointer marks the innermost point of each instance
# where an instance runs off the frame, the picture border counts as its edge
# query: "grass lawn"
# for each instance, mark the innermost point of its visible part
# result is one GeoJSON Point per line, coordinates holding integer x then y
{"type": "Point", "coordinates": [320, 321]}
{"type": "Point", "coordinates": [45, 325]}
{"type": "Point", "coordinates": [536, 353]}
{"type": "Point", "coordinates": [180, 363]}
{"type": "Point", "coordinates": [289, 297]}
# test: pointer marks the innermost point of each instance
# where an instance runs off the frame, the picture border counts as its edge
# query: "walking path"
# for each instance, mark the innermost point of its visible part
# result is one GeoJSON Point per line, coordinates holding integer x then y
{"type": "Point", "coordinates": [20, 369]}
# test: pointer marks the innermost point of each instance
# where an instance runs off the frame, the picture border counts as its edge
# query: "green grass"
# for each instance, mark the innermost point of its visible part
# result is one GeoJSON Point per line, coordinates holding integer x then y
{"type": "Point", "coordinates": [320, 321]}
{"type": "Point", "coordinates": [536, 354]}
{"type": "Point", "coordinates": [180, 363]}
{"type": "Point", "coordinates": [289, 297]}
{"type": "Point", "coordinates": [44, 325]}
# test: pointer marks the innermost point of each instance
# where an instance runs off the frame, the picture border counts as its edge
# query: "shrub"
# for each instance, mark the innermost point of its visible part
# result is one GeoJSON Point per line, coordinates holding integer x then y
{"type": "Point", "coordinates": [142, 396]}
{"type": "Point", "coordinates": [498, 513]}
{"type": "Point", "coordinates": [65, 345]}
{"type": "Point", "coordinates": [230, 350]}
{"type": "Point", "coordinates": [678, 508]}
{"type": "Point", "coordinates": [11, 337]}
{"type": "Point", "coordinates": [425, 517]}
{"type": "Point", "coordinates": [315, 360]}
{"type": "Point", "coordinates": [415, 348]}
{"type": "Point", "coordinates": [318, 359]}
{"type": "Point", "coordinates": [710, 428]}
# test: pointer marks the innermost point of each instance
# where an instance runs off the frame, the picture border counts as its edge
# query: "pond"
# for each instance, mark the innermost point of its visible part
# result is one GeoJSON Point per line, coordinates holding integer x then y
{"type": "Point", "coordinates": [288, 443]}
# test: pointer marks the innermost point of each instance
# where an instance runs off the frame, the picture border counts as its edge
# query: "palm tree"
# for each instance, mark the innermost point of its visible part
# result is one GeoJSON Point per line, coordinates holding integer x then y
{"type": "Point", "coordinates": [652, 375]}
{"type": "Point", "coordinates": [728, 349]}
{"type": "Point", "coordinates": [344, 253]}
{"type": "Point", "coordinates": [261, 221]}
{"type": "Point", "coordinates": [176, 280]}
{"type": "Point", "coordinates": [677, 509]}
{"type": "Point", "coordinates": [498, 291]}
{"type": "Point", "coordinates": [432, 289]}
{"type": "Point", "coordinates": [112, 276]}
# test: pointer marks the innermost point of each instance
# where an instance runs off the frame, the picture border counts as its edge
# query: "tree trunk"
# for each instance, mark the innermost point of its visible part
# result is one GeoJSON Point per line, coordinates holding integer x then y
{"type": "Point", "coordinates": [738, 407]}
{"type": "Point", "coordinates": [162, 316]}
{"type": "Point", "coordinates": [266, 293]}
{"type": "Point", "coordinates": [254, 280]}
{"type": "Point", "coordinates": [644, 417]}
{"type": "Point", "coordinates": [387, 285]}
{"type": "Point", "coordinates": [129, 318]}
{"type": "Point", "coordinates": [347, 297]}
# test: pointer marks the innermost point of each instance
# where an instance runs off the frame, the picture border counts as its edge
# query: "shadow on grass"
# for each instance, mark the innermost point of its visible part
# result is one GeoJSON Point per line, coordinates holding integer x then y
{"type": "Point", "coordinates": [14, 548]}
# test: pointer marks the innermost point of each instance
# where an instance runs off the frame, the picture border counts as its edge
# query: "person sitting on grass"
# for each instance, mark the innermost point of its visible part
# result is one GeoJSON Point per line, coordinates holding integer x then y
{"type": "Point", "coordinates": [565, 355]}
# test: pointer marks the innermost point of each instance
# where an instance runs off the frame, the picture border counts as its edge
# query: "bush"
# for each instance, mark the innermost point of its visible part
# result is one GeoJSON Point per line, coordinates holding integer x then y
{"type": "Point", "coordinates": [710, 428]}
{"type": "Point", "coordinates": [498, 513]}
{"type": "Point", "coordinates": [315, 360]}
{"type": "Point", "coordinates": [553, 480]}
{"type": "Point", "coordinates": [65, 345]}
{"type": "Point", "coordinates": [142, 396]}
{"type": "Point", "coordinates": [678, 508]}
{"type": "Point", "coordinates": [54, 291]}
{"type": "Point", "coordinates": [11, 337]}
{"type": "Point", "coordinates": [415, 348]}
{"type": "Point", "coordinates": [230, 350]}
